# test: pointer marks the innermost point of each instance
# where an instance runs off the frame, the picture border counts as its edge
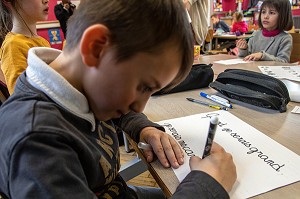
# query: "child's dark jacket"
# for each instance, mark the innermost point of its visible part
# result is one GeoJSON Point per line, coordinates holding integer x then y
{"type": "Point", "coordinates": [52, 146]}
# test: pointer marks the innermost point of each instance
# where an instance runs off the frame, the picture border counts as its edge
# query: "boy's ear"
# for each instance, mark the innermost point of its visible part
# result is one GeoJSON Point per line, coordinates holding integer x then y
{"type": "Point", "coordinates": [94, 39]}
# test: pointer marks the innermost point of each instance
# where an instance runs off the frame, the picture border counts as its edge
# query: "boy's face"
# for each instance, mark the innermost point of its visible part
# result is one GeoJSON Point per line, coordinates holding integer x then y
{"type": "Point", "coordinates": [214, 20]}
{"type": "Point", "coordinates": [114, 89]}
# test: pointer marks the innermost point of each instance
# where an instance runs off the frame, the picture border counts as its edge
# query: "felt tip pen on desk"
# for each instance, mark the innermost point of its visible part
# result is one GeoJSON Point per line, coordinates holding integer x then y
{"type": "Point", "coordinates": [215, 100]}
{"type": "Point", "coordinates": [221, 98]}
{"type": "Point", "coordinates": [211, 135]}
{"type": "Point", "coordinates": [144, 146]}
{"type": "Point", "coordinates": [207, 104]}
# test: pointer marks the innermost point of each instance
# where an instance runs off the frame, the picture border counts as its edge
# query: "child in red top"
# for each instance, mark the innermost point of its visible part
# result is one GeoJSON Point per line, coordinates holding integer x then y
{"type": "Point", "coordinates": [238, 24]}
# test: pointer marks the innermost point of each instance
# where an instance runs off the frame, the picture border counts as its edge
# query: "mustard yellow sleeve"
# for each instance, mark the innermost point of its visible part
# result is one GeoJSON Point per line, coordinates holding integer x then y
{"type": "Point", "coordinates": [13, 62]}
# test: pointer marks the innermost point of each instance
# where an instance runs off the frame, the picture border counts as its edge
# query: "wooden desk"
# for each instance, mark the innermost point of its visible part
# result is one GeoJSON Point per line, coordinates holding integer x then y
{"type": "Point", "coordinates": [229, 37]}
{"type": "Point", "coordinates": [282, 127]}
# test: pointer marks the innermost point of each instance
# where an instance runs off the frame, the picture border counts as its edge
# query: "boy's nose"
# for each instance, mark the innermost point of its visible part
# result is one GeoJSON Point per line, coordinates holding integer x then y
{"type": "Point", "coordinates": [139, 105]}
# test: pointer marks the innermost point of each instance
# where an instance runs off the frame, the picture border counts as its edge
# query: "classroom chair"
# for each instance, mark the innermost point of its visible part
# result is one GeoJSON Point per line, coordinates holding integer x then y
{"type": "Point", "coordinates": [252, 28]}
{"type": "Point", "coordinates": [209, 39]}
{"type": "Point", "coordinates": [295, 48]}
{"type": "Point", "coordinates": [292, 30]}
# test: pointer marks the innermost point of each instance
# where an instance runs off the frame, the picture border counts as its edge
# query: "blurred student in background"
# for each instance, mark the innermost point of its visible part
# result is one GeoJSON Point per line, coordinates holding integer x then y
{"type": "Point", "coordinates": [271, 42]}
{"type": "Point", "coordinates": [239, 26]}
{"type": "Point", "coordinates": [19, 34]}
{"type": "Point", "coordinates": [219, 25]}
{"type": "Point", "coordinates": [63, 11]}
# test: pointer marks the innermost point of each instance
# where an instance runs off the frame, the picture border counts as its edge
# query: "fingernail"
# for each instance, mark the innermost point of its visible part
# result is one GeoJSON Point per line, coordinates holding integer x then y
{"type": "Point", "coordinates": [176, 164]}
{"type": "Point", "coordinates": [148, 159]}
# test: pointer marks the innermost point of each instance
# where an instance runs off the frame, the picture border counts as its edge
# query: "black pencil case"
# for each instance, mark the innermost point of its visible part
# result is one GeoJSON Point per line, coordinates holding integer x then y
{"type": "Point", "coordinates": [252, 87]}
{"type": "Point", "coordinates": [200, 76]}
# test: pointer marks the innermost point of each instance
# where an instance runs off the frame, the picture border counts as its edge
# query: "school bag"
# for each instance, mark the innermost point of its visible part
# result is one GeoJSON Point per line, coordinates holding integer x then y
{"type": "Point", "coordinates": [252, 87]}
{"type": "Point", "coordinates": [200, 76]}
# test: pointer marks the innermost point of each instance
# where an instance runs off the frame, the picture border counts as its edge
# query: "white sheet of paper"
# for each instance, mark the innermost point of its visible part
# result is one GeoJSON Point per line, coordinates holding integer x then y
{"type": "Point", "coordinates": [282, 72]}
{"type": "Point", "coordinates": [296, 110]}
{"type": "Point", "coordinates": [262, 164]}
{"type": "Point", "coordinates": [232, 61]}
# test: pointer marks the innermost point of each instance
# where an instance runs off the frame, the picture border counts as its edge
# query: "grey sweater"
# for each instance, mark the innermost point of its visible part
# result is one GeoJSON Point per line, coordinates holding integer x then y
{"type": "Point", "coordinates": [276, 48]}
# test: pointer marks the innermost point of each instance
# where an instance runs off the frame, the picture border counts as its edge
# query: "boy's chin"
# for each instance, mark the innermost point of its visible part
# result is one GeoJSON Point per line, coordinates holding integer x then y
{"type": "Point", "coordinates": [109, 117]}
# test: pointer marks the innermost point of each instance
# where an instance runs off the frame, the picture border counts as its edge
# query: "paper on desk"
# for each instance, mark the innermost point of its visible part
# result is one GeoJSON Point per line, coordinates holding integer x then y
{"type": "Point", "coordinates": [232, 61]}
{"type": "Point", "coordinates": [282, 72]}
{"type": "Point", "coordinates": [262, 164]}
{"type": "Point", "coordinates": [296, 110]}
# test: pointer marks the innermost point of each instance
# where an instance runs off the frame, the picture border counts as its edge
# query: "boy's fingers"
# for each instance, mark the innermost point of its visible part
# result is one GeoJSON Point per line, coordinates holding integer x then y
{"type": "Point", "coordinates": [178, 152]}
{"type": "Point", "coordinates": [161, 155]}
{"type": "Point", "coordinates": [148, 155]}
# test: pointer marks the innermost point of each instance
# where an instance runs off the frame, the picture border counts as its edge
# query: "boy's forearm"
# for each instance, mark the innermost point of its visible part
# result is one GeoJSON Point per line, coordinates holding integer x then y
{"type": "Point", "coordinates": [132, 123]}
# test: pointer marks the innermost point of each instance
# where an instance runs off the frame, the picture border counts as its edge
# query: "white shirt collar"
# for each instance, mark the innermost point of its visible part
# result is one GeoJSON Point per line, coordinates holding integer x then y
{"type": "Point", "coordinates": [46, 79]}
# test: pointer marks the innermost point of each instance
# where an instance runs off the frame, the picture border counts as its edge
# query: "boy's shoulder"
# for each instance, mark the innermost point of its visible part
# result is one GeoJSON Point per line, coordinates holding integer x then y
{"type": "Point", "coordinates": [31, 111]}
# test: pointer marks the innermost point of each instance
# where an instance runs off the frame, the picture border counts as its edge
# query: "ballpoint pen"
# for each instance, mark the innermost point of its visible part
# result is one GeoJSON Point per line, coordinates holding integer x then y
{"type": "Point", "coordinates": [217, 100]}
{"type": "Point", "coordinates": [207, 104]}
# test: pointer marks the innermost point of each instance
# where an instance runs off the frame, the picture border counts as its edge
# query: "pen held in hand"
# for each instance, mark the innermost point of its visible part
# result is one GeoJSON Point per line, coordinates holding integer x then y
{"type": "Point", "coordinates": [207, 104]}
{"type": "Point", "coordinates": [211, 135]}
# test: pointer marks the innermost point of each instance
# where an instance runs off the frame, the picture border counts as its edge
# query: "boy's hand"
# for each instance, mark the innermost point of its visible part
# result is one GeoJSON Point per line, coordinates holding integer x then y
{"type": "Point", "coordinates": [219, 165]}
{"type": "Point", "coordinates": [253, 57]}
{"type": "Point", "coordinates": [242, 44]}
{"type": "Point", "coordinates": [163, 145]}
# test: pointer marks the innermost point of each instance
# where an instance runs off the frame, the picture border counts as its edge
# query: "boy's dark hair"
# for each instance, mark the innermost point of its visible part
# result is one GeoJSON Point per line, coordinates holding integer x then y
{"type": "Point", "coordinates": [137, 26]}
{"type": "Point", "coordinates": [5, 18]}
{"type": "Point", "coordinates": [283, 7]}
{"type": "Point", "coordinates": [214, 15]}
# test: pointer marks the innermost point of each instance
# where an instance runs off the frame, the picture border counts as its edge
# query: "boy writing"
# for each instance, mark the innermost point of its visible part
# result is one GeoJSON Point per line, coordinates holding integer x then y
{"type": "Point", "coordinates": [58, 129]}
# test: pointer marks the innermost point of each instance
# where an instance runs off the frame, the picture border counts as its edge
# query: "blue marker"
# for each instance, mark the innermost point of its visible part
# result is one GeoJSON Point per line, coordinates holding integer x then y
{"type": "Point", "coordinates": [215, 100]}
{"type": "Point", "coordinates": [211, 135]}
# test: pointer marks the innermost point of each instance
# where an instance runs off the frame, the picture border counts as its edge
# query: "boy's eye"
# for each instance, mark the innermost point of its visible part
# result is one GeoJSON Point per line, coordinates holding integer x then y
{"type": "Point", "coordinates": [147, 89]}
